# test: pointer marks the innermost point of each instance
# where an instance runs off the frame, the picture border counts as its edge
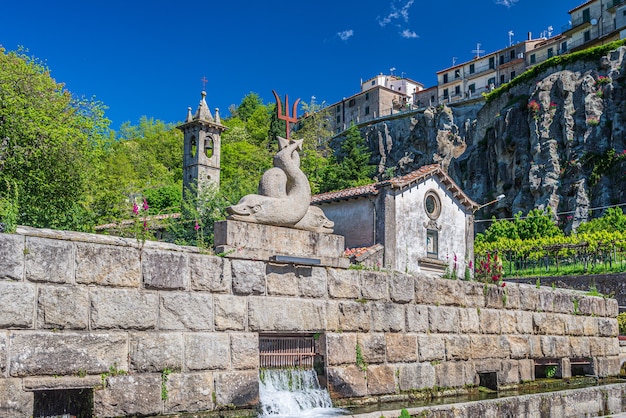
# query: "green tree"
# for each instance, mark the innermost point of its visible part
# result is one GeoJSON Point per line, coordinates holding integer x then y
{"type": "Point", "coordinates": [537, 224]}
{"type": "Point", "coordinates": [50, 142]}
{"type": "Point", "coordinates": [352, 166]}
{"type": "Point", "coordinates": [613, 219]}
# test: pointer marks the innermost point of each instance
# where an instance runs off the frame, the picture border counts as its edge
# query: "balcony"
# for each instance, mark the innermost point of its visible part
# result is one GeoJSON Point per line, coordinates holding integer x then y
{"type": "Point", "coordinates": [612, 5]}
{"type": "Point", "coordinates": [577, 24]}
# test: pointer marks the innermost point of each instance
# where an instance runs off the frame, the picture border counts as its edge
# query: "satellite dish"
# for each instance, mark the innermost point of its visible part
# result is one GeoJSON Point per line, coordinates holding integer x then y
{"type": "Point", "coordinates": [594, 22]}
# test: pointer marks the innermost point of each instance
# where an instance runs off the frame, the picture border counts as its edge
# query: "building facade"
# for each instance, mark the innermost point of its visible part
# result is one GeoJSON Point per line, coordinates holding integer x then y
{"type": "Point", "coordinates": [423, 220]}
{"type": "Point", "coordinates": [595, 22]}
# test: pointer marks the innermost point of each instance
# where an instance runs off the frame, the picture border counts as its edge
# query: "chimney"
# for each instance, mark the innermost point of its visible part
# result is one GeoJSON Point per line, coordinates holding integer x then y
{"type": "Point", "coordinates": [530, 36]}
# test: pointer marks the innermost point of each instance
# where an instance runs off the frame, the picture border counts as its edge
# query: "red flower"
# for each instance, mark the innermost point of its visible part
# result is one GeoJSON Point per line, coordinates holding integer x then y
{"type": "Point", "coordinates": [503, 284]}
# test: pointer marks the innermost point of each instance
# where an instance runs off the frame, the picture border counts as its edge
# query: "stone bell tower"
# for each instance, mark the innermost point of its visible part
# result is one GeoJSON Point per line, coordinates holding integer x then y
{"type": "Point", "coordinates": [201, 151]}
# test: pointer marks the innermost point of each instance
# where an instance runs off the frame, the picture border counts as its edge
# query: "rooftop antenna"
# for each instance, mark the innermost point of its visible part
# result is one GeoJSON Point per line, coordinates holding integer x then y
{"type": "Point", "coordinates": [204, 81]}
{"type": "Point", "coordinates": [392, 69]}
{"type": "Point", "coordinates": [550, 29]}
{"type": "Point", "coordinates": [511, 34]}
{"type": "Point", "coordinates": [478, 51]}
{"type": "Point", "coordinates": [453, 61]}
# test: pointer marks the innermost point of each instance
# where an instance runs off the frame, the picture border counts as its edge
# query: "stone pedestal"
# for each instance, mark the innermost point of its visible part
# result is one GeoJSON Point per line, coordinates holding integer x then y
{"type": "Point", "coordinates": [252, 241]}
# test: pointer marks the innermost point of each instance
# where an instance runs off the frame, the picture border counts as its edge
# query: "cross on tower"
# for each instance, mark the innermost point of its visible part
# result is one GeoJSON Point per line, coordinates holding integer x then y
{"type": "Point", "coordinates": [204, 81]}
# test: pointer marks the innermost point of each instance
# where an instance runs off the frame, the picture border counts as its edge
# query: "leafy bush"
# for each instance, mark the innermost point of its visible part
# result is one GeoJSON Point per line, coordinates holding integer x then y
{"type": "Point", "coordinates": [621, 321]}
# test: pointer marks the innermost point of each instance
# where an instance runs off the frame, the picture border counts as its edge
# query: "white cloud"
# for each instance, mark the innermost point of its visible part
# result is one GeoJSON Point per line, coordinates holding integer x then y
{"type": "Point", "coordinates": [400, 10]}
{"type": "Point", "coordinates": [345, 35]}
{"type": "Point", "coordinates": [409, 34]}
{"type": "Point", "coordinates": [507, 3]}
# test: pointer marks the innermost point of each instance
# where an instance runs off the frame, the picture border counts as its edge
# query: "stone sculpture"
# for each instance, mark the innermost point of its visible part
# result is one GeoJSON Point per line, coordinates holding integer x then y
{"type": "Point", "coordinates": [284, 196]}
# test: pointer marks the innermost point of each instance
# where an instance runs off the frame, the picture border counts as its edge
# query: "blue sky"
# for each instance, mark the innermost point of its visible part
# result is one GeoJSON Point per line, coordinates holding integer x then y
{"type": "Point", "coordinates": [148, 58]}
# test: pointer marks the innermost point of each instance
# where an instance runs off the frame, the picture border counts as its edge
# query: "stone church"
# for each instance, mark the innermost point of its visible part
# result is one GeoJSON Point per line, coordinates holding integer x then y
{"type": "Point", "coordinates": [419, 222]}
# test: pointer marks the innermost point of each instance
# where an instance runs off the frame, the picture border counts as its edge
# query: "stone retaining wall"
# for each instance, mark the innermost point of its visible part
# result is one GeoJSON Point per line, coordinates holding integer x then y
{"type": "Point", "coordinates": [80, 310]}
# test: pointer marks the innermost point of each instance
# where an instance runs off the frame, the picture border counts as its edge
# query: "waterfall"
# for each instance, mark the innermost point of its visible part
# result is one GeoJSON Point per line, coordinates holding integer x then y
{"type": "Point", "coordinates": [294, 393]}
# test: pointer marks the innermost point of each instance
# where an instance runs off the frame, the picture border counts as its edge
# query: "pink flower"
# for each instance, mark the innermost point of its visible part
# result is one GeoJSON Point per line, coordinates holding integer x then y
{"type": "Point", "coordinates": [145, 225]}
{"type": "Point", "coordinates": [503, 284]}
{"type": "Point", "coordinates": [145, 205]}
{"type": "Point", "coordinates": [196, 226]}
{"type": "Point", "coordinates": [471, 265]}
{"type": "Point", "coordinates": [135, 208]}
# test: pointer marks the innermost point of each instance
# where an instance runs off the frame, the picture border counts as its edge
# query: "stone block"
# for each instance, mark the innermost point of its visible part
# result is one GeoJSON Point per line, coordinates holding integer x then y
{"type": "Point", "coordinates": [474, 295]}
{"type": "Point", "coordinates": [489, 346]}
{"type": "Point", "coordinates": [354, 316]}
{"type": "Point", "coordinates": [380, 380]}
{"type": "Point", "coordinates": [529, 297]}
{"type": "Point", "coordinates": [565, 369]}
{"type": "Point", "coordinates": [496, 297]}
{"type": "Point", "coordinates": [513, 296]}
{"type": "Point", "coordinates": [546, 301]}
{"type": "Point", "coordinates": [607, 327]}
{"type": "Point", "coordinates": [417, 318]}
{"type": "Point", "coordinates": [579, 346]}
{"type": "Point", "coordinates": [607, 366]}
{"type": "Point", "coordinates": [374, 285]}
{"type": "Point", "coordinates": [130, 395]}
{"type": "Point", "coordinates": [50, 353]}
{"type": "Point", "coordinates": [524, 322]}
{"type": "Point", "coordinates": [230, 312]}
{"type": "Point", "coordinates": [248, 277]}
{"type": "Point", "coordinates": [167, 270]}
{"type": "Point", "coordinates": [210, 273]}
{"type": "Point", "coordinates": [154, 352]}
{"type": "Point", "coordinates": [387, 317]}
{"type": "Point", "coordinates": [47, 260]}
{"type": "Point", "coordinates": [63, 307]}
{"type": "Point", "coordinates": [564, 302]}
{"type": "Point", "coordinates": [312, 282]}
{"type": "Point", "coordinates": [490, 365]}
{"type": "Point", "coordinates": [555, 346]}
{"type": "Point", "coordinates": [281, 280]}
{"type": "Point", "coordinates": [61, 382]}
{"type": "Point", "coordinates": [443, 319]}
{"type": "Point", "coordinates": [346, 382]}
{"type": "Point", "coordinates": [17, 303]}
{"type": "Point", "coordinates": [534, 343]}
{"type": "Point", "coordinates": [592, 305]}
{"type": "Point", "coordinates": [590, 326]}
{"type": "Point", "coordinates": [415, 376]}
{"type": "Point", "coordinates": [526, 370]}
{"type": "Point", "coordinates": [373, 347]}
{"type": "Point", "coordinates": [244, 351]}
{"type": "Point", "coordinates": [451, 374]}
{"type": "Point", "coordinates": [519, 346]}
{"type": "Point", "coordinates": [596, 346]}
{"type": "Point", "coordinates": [458, 347]}
{"type": "Point", "coordinates": [402, 288]}
{"type": "Point", "coordinates": [573, 325]}
{"type": "Point", "coordinates": [429, 291]}
{"type": "Point", "coordinates": [548, 324]}
{"type": "Point", "coordinates": [469, 320]}
{"type": "Point", "coordinates": [508, 322]}
{"type": "Point", "coordinates": [14, 402]}
{"type": "Point", "coordinates": [341, 348]}
{"type": "Point", "coordinates": [612, 347]}
{"type": "Point", "coordinates": [489, 321]}
{"type": "Point", "coordinates": [509, 372]}
{"type": "Point", "coordinates": [246, 240]}
{"type": "Point", "coordinates": [12, 260]}
{"type": "Point", "coordinates": [207, 351]}
{"type": "Point", "coordinates": [189, 392]}
{"type": "Point", "coordinates": [401, 347]}
{"type": "Point", "coordinates": [107, 265]}
{"type": "Point", "coordinates": [237, 389]}
{"type": "Point", "coordinates": [431, 347]}
{"type": "Point", "coordinates": [186, 311]}
{"type": "Point", "coordinates": [280, 314]}
{"type": "Point", "coordinates": [343, 284]}
{"type": "Point", "coordinates": [612, 308]}
{"type": "Point", "coordinates": [123, 309]}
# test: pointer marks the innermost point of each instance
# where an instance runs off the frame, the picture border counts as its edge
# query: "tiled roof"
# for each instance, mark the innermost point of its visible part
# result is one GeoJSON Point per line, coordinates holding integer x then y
{"type": "Point", "coordinates": [400, 182]}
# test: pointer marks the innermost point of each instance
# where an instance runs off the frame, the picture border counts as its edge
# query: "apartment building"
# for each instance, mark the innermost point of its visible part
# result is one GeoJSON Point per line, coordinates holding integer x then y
{"type": "Point", "coordinates": [595, 22]}
{"type": "Point", "coordinates": [379, 96]}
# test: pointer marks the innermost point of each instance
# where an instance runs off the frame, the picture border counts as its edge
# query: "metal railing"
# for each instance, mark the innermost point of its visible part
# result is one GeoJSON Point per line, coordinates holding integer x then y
{"type": "Point", "coordinates": [285, 352]}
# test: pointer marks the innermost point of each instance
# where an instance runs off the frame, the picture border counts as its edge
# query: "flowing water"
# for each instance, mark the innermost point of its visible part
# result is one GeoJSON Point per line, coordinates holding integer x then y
{"type": "Point", "coordinates": [294, 393]}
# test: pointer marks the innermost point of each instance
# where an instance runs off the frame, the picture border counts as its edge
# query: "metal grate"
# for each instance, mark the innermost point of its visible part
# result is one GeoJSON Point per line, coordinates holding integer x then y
{"type": "Point", "coordinates": [283, 352]}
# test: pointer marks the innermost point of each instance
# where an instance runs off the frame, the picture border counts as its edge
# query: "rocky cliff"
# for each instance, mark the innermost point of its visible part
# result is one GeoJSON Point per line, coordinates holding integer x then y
{"type": "Point", "coordinates": [555, 141]}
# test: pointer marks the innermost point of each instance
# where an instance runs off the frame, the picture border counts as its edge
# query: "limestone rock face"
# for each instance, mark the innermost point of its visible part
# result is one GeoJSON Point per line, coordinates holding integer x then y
{"type": "Point", "coordinates": [556, 141]}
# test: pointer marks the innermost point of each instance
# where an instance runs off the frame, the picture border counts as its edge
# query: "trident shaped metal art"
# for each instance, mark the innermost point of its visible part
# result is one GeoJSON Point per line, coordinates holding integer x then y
{"type": "Point", "coordinates": [294, 113]}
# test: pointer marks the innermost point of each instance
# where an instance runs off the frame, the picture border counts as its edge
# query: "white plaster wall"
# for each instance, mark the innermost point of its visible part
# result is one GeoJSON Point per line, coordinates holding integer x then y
{"type": "Point", "coordinates": [354, 219]}
{"type": "Point", "coordinates": [411, 231]}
